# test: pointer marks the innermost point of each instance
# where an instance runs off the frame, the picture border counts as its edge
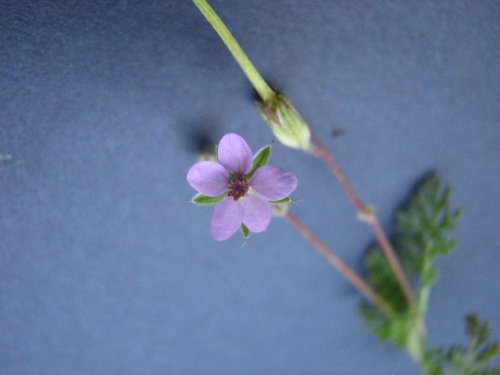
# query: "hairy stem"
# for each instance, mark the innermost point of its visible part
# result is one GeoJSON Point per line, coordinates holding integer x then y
{"type": "Point", "coordinates": [363, 287]}
{"type": "Point", "coordinates": [367, 215]}
{"type": "Point", "coordinates": [261, 86]}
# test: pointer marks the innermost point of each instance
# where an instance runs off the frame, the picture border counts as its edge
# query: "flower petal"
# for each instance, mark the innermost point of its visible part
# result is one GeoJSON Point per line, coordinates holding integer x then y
{"type": "Point", "coordinates": [235, 154]}
{"type": "Point", "coordinates": [226, 219]}
{"type": "Point", "coordinates": [273, 183]}
{"type": "Point", "coordinates": [208, 177]}
{"type": "Point", "coordinates": [257, 213]}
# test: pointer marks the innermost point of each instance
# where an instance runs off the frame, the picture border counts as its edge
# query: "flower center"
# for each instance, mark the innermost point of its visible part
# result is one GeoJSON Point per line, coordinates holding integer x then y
{"type": "Point", "coordinates": [237, 186]}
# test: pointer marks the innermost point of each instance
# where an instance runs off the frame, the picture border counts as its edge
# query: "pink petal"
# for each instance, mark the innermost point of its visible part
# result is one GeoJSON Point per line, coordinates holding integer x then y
{"type": "Point", "coordinates": [257, 213]}
{"type": "Point", "coordinates": [208, 178]}
{"type": "Point", "coordinates": [273, 183]}
{"type": "Point", "coordinates": [226, 219]}
{"type": "Point", "coordinates": [235, 154]}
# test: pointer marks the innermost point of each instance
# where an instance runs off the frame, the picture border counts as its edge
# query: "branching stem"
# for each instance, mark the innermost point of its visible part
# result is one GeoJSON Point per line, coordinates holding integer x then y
{"type": "Point", "coordinates": [368, 216]}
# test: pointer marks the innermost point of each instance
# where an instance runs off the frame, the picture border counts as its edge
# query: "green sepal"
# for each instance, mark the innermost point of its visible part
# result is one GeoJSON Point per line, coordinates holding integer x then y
{"type": "Point", "coordinates": [203, 199]}
{"type": "Point", "coordinates": [245, 231]}
{"type": "Point", "coordinates": [260, 159]}
{"type": "Point", "coordinates": [284, 200]}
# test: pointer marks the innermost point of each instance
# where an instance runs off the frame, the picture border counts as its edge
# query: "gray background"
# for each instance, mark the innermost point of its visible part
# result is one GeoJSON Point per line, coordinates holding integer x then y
{"type": "Point", "coordinates": [107, 269]}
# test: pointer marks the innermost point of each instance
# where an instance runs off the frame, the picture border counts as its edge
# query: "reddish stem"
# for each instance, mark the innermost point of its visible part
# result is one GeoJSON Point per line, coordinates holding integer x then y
{"type": "Point", "coordinates": [339, 264]}
{"type": "Point", "coordinates": [367, 215]}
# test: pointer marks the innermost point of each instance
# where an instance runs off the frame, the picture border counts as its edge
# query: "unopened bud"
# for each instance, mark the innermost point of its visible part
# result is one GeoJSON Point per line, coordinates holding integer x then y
{"type": "Point", "coordinates": [285, 122]}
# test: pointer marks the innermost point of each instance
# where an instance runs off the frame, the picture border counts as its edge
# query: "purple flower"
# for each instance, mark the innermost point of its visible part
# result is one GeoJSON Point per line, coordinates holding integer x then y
{"type": "Point", "coordinates": [243, 186]}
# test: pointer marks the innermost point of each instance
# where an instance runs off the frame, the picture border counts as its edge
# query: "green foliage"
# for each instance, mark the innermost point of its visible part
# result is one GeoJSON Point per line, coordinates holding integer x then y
{"type": "Point", "coordinates": [423, 233]}
{"type": "Point", "coordinates": [245, 231]}
{"type": "Point", "coordinates": [424, 230]}
{"type": "Point", "coordinates": [284, 200]}
{"type": "Point", "coordinates": [475, 359]}
{"type": "Point", "coordinates": [381, 277]}
{"type": "Point", "coordinates": [395, 330]}
{"type": "Point", "coordinates": [260, 159]}
{"type": "Point", "coordinates": [202, 199]}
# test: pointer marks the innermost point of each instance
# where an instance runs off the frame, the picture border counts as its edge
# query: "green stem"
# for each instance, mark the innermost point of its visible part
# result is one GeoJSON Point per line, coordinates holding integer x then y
{"type": "Point", "coordinates": [417, 338]}
{"type": "Point", "coordinates": [265, 92]}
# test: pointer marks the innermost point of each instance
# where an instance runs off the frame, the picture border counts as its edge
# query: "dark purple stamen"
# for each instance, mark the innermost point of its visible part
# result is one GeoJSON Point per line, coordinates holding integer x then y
{"type": "Point", "coordinates": [237, 186]}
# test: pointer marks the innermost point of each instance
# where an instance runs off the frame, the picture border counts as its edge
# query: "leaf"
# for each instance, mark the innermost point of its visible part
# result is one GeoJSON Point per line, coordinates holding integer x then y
{"type": "Point", "coordinates": [422, 233]}
{"type": "Point", "coordinates": [260, 159]}
{"type": "Point", "coordinates": [381, 277]}
{"type": "Point", "coordinates": [245, 231]}
{"type": "Point", "coordinates": [476, 358]}
{"type": "Point", "coordinates": [202, 199]}
{"type": "Point", "coordinates": [424, 228]}
{"type": "Point", "coordinates": [284, 200]}
{"type": "Point", "coordinates": [489, 353]}
{"type": "Point", "coordinates": [472, 325]}
{"type": "Point", "coordinates": [395, 330]}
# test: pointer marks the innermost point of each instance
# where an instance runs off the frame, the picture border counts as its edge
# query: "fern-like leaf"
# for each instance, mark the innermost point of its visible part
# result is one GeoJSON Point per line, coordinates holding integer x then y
{"type": "Point", "coordinates": [423, 232]}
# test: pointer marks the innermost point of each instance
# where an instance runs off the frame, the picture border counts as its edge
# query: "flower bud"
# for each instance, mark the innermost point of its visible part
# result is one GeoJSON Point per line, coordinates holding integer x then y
{"type": "Point", "coordinates": [285, 122]}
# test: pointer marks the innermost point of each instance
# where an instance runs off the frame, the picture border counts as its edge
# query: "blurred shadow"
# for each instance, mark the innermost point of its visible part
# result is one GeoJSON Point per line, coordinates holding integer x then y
{"type": "Point", "coordinates": [198, 136]}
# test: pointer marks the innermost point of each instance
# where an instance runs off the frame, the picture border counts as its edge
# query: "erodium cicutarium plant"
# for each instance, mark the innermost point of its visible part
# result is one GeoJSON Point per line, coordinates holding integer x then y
{"type": "Point", "coordinates": [245, 189]}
